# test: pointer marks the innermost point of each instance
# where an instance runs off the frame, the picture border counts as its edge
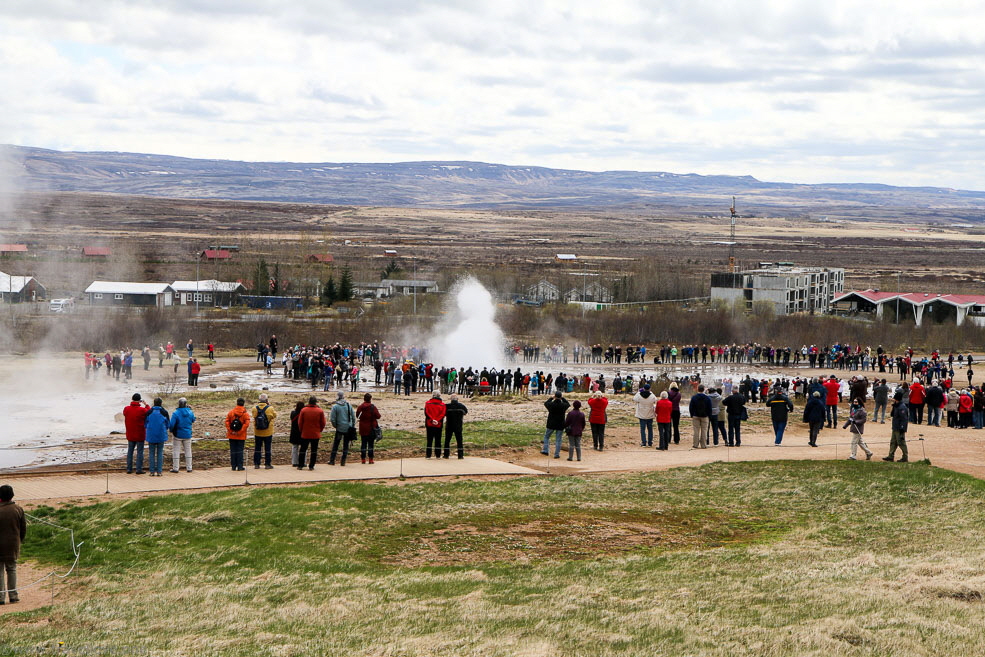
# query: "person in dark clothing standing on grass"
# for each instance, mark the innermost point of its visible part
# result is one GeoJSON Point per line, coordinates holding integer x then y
{"type": "Point", "coordinates": [455, 412]}
{"type": "Point", "coordinates": [13, 531]}
{"type": "Point", "coordinates": [900, 417]}
{"type": "Point", "coordinates": [556, 408]}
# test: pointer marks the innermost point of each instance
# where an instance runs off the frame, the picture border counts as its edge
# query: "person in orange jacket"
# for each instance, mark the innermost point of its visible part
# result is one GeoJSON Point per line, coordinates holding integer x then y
{"type": "Point", "coordinates": [237, 420]}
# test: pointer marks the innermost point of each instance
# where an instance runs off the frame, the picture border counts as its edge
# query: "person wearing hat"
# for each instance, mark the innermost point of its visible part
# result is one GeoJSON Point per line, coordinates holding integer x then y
{"type": "Point", "coordinates": [134, 416]}
{"type": "Point", "coordinates": [556, 408]}
{"type": "Point", "coordinates": [263, 432]}
{"type": "Point", "coordinates": [856, 425]}
{"type": "Point", "coordinates": [900, 418]}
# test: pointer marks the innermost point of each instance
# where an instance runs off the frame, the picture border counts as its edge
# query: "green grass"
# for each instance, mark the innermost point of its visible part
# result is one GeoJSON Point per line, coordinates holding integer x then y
{"type": "Point", "coordinates": [783, 558]}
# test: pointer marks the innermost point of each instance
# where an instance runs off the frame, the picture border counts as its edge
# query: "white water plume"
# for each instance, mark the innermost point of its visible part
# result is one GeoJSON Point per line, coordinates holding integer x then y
{"type": "Point", "coordinates": [469, 335]}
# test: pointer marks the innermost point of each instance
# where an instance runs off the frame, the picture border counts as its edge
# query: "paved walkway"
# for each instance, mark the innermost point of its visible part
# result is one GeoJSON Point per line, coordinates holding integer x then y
{"type": "Point", "coordinates": [90, 485]}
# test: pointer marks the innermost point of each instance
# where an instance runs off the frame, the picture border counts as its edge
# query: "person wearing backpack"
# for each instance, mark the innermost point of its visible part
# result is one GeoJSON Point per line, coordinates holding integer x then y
{"type": "Point", "coordinates": [237, 420]}
{"type": "Point", "coordinates": [343, 418]}
{"type": "Point", "coordinates": [181, 427]}
{"type": "Point", "coordinates": [156, 434]}
{"type": "Point", "coordinates": [434, 419]}
{"type": "Point", "coordinates": [263, 431]}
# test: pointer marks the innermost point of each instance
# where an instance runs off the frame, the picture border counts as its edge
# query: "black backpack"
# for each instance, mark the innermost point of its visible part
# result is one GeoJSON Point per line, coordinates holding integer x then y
{"type": "Point", "coordinates": [262, 422]}
{"type": "Point", "coordinates": [236, 425]}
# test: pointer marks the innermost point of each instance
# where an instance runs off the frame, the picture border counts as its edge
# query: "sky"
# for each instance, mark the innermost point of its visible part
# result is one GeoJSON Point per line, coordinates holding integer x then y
{"type": "Point", "coordinates": [831, 91]}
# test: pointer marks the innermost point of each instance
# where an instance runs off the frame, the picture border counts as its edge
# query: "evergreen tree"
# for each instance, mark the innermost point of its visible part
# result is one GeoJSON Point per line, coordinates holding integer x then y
{"type": "Point", "coordinates": [345, 285]}
{"type": "Point", "coordinates": [330, 293]}
{"type": "Point", "coordinates": [261, 279]}
{"type": "Point", "coordinates": [275, 282]}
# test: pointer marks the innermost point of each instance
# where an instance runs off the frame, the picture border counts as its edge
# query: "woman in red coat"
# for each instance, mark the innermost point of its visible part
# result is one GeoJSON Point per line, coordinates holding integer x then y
{"type": "Point", "coordinates": [367, 414]}
{"type": "Point", "coordinates": [665, 416]}
{"type": "Point", "coordinates": [597, 402]}
{"type": "Point", "coordinates": [965, 405]}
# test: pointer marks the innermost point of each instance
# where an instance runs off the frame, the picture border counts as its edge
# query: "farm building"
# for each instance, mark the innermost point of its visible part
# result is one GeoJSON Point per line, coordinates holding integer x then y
{"type": "Point", "coordinates": [405, 287]}
{"type": "Point", "coordinates": [544, 291]}
{"type": "Point", "coordinates": [96, 252]}
{"type": "Point", "coordinates": [12, 249]}
{"type": "Point", "coordinates": [561, 257]}
{"type": "Point", "coordinates": [593, 292]}
{"type": "Point", "coordinates": [788, 288]}
{"type": "Point", "coordinates": [16, 289]}
{"type": "Point", "coordinates": [209, 293]}
{"type": "Point", "coordinates": [116, 293]}
{"type": "Point", "coordinates": [915, 306]}
{"type": "Point", "coordinates": [366, 289]}
{"type": "Point", "coordinates": [322, 258]}
{"type": "Point", "coordinates": [216, 255]}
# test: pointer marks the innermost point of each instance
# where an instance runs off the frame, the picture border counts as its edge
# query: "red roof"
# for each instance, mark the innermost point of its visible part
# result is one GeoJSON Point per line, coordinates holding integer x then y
{"type": "Point", "coordinates": [320, 257]}
{"type": "Point", "coordinates": [13, 248]}
{"type": "Point", "coordinates": [95, 250]}
{"type": "Point", "coordinates": [916, 298]}
{"type": "Point", "coordinates": [216, 254]}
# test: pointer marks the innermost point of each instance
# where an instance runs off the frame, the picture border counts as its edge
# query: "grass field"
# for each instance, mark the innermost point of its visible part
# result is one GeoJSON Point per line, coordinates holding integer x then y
{"type": "Point", "coordinates": [791, 558]}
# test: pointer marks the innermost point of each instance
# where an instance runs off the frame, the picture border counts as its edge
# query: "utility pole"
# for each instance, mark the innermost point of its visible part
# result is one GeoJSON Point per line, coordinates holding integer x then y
{"type": "Point", "coordinates": [198, 295]}
{"type": "Point", "coordinates": [415, 286]}
{"type": "Point", "coordinates": [731, 239]}
{"type": "Point", "coordinates": [899, 275]}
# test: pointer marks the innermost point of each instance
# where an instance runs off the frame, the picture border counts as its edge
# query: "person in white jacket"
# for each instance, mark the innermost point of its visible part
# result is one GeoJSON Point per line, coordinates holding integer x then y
{"type": "Point", "coordinates": [646, 410]}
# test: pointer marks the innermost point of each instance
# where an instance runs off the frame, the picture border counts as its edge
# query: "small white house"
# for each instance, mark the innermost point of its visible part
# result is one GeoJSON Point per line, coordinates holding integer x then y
{"type": "Point", "coordinates": [544, 290]}
{"type": "Point", "coordinates": [209, 292]}
{"type": "Point", "coordinates": [117, 293]}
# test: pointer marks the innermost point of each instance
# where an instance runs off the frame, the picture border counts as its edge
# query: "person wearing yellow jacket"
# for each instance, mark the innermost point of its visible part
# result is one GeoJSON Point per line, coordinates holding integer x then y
{"type": "Point", "coordinates": [263, 431]}
{"type": "Point", "coordinates": [237, 420]}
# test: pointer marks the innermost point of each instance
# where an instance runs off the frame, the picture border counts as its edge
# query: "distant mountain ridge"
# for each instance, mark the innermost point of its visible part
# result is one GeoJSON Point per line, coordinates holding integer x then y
{"type": "Point", "coordinates": [464, 185]}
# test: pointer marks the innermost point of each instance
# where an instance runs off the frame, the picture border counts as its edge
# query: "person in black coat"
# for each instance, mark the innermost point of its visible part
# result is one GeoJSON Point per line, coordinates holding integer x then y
{"type": "Point", "coordinates": [814, 416]}
{"type": "Point", "coordinates": [556, 408]}
{"type": "Point", "coordinates": [455, 412]}
{"type": "Point", "coordinates": [900, 415]}
{"type": "Point", "coordinates": [734, 407]}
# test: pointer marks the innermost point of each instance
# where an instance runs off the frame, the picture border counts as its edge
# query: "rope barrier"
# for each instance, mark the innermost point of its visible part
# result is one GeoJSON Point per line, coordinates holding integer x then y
{"type": "Point", "coordinates": [76, 551]}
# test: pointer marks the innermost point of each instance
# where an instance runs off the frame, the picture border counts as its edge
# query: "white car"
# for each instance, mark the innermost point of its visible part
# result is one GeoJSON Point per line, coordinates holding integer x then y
{"type": "Point", "coordinates": [61, 305]}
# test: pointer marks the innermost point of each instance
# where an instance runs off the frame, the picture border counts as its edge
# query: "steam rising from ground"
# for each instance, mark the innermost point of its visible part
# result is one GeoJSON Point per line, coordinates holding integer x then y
{"type": "Point", "coordinates": [469, 334]}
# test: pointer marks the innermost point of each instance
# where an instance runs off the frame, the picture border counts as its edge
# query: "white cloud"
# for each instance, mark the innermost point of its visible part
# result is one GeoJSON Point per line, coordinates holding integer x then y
{"type": "Point", "coordinates": [800, 91]}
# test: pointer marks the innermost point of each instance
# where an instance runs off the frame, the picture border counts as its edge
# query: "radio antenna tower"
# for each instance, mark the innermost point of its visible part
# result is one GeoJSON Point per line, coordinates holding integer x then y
{"type": "Point", "coordinates": [731, 240]}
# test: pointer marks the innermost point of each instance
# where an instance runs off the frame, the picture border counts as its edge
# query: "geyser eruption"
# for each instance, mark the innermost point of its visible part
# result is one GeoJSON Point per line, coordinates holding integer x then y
{"type": "Point", "coordinates": [469, 335]}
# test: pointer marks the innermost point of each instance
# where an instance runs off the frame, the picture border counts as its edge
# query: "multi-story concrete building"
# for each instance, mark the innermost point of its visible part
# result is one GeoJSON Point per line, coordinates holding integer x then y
{"type": "Point", "coordinates": [790, 289]}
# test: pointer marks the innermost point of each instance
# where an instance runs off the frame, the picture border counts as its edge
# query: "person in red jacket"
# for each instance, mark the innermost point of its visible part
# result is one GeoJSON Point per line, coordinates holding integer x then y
{"type": "Point", "coordinates": [133, 419]}
{"type": "Point", "coordinates": [918, 396]}
{"type": "Point", "coordinates": [196, 369]}
{"type": "Point", "coordinates": [367, 414]}
{"type": "Point", "coordinates": [965, 406]}
{"type": "Point", "coordinates": [434, 418]}
{"type": "Point", "coordinates": [831, 387]}
{"type": "Point", "coordinates": [665, 413]}
{"type": "Point", "coordinates": [311, 422]}
{"type": "Point", "coordinates": [597, 402]}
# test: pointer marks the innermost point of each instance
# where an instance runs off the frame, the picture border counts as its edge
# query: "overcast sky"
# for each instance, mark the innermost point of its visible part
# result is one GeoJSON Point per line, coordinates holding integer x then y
{"type": "Point", "coordinates": [815, 91]}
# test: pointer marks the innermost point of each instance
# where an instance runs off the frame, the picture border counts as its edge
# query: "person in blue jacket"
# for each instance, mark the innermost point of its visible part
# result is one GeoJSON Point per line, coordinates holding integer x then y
{"type": "Point", "coordinates": [181, 427]}
{"type": "Point", "coordinates": [156, 434]}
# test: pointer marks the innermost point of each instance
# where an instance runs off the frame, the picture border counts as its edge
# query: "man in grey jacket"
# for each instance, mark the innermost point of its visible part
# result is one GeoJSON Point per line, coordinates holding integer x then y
{"type": "Point", "coordinates": [343, 419]}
